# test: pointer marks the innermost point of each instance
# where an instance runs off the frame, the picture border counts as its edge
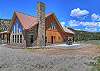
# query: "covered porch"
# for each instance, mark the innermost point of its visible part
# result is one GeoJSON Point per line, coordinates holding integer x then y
{"type": "Point", "coordinates": [5, 37]}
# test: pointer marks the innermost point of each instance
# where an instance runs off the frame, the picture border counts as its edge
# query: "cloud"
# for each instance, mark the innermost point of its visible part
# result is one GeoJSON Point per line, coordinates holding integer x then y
{"type": "Point", "coordinates": [63, 23]}
{"type": "Point", "coordinates": [91, 29]}
{"type": "Point", "coordinates": [90, 24]}
{"type": "Point", "coordinates": [78, 13]}
{"type": "Point", "coordinates": [74, 23]}
{"type": "Point", "coordinates": [77, 29]}
{"type": "Point", "coordinates": [95, 17]}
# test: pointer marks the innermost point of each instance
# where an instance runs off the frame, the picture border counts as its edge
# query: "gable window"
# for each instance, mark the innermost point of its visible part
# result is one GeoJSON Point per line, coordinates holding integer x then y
{"type": "Point", "coordinates": [14, 28]}
{"type": "Point", "coordinates": [17, 27]}
{"type": "Point", "coordinates": [5, 28]}
{"type": "Point", "coordinates": [17, 30]}
{"type": "Point", "coordinates": [53, 26]}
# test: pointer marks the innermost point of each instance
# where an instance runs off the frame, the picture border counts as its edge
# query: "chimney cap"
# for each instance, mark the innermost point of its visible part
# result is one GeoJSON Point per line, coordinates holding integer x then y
{"type": "Point", "coordinates": [41, 3]}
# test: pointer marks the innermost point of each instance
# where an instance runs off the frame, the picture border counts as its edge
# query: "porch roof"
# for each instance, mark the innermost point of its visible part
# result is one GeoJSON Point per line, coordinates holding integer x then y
{"type": "Point", "coordinates": [4, 32]}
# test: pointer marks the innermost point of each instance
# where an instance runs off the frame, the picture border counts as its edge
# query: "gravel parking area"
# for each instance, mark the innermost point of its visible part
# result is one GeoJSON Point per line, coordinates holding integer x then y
{"type": "Point", "coordinates": [45, 59]}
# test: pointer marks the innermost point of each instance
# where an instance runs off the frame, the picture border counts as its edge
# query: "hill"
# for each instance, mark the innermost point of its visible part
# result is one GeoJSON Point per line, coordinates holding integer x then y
{"type": "Point", "coordinates": [84, 35]}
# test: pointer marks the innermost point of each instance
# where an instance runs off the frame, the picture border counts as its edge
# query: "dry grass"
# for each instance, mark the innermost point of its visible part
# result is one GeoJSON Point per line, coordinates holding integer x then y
{"type": "Point", "coordinates": [88, 50]}
{"type": "Point", "coordinates": [48, 59]}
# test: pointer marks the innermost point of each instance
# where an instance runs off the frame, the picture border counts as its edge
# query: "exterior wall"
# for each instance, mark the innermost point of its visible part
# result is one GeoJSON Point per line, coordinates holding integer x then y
{"type": "Point", "coordinates": [19, 45]}
{"type": "Point", "coordinates": [28, 38]}
{"type": "Point", "coordinates": [53, 31]}
{"type": "Point", "coordinates": [68, 36]}
{"type": "Point", "coordinates": [41, 24]}
{"type": "Point", "coordinates": [17, 30]}
{"type": "Point", "coordinates": [57, 38]}
{"type": "Point", "coordinates": [3, 37]}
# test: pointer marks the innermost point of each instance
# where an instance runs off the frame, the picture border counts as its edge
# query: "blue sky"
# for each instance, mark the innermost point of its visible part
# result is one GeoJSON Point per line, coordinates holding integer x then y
{"type": "Point", "coordinates": [78, 14]}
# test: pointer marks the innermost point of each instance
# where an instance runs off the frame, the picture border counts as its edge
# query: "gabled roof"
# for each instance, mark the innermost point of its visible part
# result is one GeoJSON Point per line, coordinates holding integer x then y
{"type": "Point", "coordinates": [28, 21]}
{"type": "Point", "coordinates": [4, 32]}
{"type": "Point", "coordinates": [68, 30]}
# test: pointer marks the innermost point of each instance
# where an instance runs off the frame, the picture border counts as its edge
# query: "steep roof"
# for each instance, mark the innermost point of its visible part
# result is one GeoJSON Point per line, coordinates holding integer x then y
{"type": "Point", "coordinates": [28, 21]}
{"type": "Point", "coordinates": [68, 30]}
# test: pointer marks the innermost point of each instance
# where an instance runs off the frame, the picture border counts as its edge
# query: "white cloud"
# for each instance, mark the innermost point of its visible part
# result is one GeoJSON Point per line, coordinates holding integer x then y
{"type": "Point", "coordinates": [99, 29]}
{"type": "Point", "coordinates": [73, 23]}
{"type": "Point", "coordinates": [77, 29]}
{"type": "Point", "coordinates": [78, 13]}
{"type": "Point", "coordinates": [95, 17]}
{"type": "Point", "coordinates": [90, 24]}
{"type": "Point", "coordinates": [63, 24]}
{"type": "Point", "coordinates": [91, 29]}
{"type": "Point", "coordinates": [98, 23]}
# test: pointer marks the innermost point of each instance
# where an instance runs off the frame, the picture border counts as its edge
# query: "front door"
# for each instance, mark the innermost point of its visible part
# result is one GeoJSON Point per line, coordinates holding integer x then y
{"type": "Point", "coordinates": [51, 39]}
{"type": "Point", "coordinates": [31, 40]}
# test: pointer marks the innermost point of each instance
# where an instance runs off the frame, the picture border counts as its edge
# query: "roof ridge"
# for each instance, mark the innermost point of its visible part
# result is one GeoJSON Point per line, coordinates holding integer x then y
{"type": "Point", "coordinates": [24, 13]}
{"type": "Point", "coordinates": [46, 15]}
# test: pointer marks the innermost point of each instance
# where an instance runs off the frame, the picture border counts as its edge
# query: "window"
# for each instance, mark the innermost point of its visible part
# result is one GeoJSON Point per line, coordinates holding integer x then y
{"type": "Point", "coordinates": [46, 39]}
{"type": "Point", "coordinates": [14, 29]}
{"type": "Point", "coordinates": [20, 38]}
{"type": "Point", "coordinates": [53, 26]}
{"type": "Point", "coordinates": [17, 27]}
{"type": "Point", "coordinates": [17, 38]}
{"type": "Point", "coordinates": [13, 38]}
{"type": "Point", "coordinates": [4, 28]}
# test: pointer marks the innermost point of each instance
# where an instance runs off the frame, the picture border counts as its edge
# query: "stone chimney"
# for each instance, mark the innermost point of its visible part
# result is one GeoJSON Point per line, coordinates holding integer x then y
{"type": "Point", "coordinates": [41, 24]}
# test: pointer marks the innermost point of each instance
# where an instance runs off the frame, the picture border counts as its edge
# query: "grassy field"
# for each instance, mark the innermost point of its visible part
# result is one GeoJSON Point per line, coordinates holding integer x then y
{"type": "Point", "coordinates": [96, 42]}
{"type": "Point", "coordinates": [88, 56]}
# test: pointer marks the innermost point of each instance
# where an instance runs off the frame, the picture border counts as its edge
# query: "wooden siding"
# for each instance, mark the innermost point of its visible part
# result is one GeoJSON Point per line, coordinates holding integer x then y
{"type": "Point", "coordinates": [59, 34]}
{"type": "Point", "coordinates": [57, 38]}
{"type": "Point", "coordinates": [55, 33]}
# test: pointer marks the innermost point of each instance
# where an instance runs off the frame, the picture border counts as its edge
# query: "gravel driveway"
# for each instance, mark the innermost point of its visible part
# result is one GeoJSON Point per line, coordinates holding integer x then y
{"type": "Point", "coordinates": [21, 60]}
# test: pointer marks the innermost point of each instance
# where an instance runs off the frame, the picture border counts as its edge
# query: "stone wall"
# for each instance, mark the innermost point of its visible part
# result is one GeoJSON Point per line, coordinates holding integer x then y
{"type": "Point", "coordinates": [27, 37]}
{"type": "Point", "coordinates": [41, 25]}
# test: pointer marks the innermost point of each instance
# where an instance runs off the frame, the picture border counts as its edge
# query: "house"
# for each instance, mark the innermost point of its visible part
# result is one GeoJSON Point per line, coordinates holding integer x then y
{"type": "Point", "coordinates": [68, 34]}
{"type": "Point", "coordinates": [4, 28]}
{"type": "Point", "coordinates": [26, 30]}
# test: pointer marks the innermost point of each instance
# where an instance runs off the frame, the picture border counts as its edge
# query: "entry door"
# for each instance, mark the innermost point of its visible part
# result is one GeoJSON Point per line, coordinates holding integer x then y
{"type": "Point", "coordinates": [31, 39]}
{"type": "Point", "coordinates": [52, 39]}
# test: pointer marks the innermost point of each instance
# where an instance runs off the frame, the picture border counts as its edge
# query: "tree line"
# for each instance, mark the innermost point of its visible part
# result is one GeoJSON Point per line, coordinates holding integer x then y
{"type": "Point", "coordinates": [85, 36]}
